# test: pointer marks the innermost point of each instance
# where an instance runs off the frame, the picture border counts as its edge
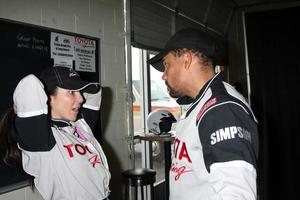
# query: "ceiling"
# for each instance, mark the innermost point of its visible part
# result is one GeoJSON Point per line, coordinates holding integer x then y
{"type": "Point", "coordinates": [216, 15]}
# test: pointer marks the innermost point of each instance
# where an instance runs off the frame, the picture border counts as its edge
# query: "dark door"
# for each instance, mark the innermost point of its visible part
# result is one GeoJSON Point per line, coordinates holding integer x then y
{"type": "Point", "coordinates": [273, 39]}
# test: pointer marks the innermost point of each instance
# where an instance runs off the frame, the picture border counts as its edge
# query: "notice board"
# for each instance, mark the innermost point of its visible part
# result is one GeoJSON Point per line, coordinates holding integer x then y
{"type": "Point", "coordinates": [27, 48]}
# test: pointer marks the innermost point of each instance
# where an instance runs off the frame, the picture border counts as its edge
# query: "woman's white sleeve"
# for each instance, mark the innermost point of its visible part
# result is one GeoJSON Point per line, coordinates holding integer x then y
{"type": "Point", "coordinates": [93, 101]}
{"type": "Point", "coordinates": [30, 98]}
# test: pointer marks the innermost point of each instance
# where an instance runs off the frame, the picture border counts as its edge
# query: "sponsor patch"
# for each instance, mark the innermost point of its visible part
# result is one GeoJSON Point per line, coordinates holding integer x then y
{"type": "Point", "coordinates": [204, 108]}
{"type": "Point", "coordinates": [229, 133]}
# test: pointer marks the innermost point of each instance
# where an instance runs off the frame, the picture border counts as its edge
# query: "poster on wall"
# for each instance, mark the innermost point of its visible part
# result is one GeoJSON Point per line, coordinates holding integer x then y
{"type": "Point", "coordinates": [65, 49]}
{"type": "Point", "coordinates": [62, 49]}
{"type": "Point", "coordinates": [85, 51]}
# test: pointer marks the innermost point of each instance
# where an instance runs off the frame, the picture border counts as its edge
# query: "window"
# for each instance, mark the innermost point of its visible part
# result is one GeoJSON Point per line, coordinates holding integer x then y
{"type": "Point", "coordinates": [160, 99]}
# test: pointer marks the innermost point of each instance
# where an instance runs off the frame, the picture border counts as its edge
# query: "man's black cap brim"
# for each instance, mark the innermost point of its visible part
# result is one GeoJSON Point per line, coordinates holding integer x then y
{"type": "Point", "coordinates": [157, 61]}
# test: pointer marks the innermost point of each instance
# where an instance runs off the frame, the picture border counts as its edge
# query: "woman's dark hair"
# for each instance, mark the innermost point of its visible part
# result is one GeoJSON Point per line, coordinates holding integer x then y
{"type": "Point", "coordinates": [9, 152]}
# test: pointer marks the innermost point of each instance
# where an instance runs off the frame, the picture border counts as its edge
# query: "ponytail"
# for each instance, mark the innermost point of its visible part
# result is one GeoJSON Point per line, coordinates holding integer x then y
{"type": "Point", "coordinates": [9, 153]}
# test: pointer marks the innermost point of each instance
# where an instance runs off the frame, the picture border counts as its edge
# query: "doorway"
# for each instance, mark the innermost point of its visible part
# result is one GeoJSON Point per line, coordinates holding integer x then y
{"type": "Point", "coordinates": [273, 53]}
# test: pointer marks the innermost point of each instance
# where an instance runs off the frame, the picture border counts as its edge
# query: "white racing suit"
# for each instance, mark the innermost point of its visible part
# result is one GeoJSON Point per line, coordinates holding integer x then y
{"type": "Point", "coordinates": [216, 147]}
{"type": "Point", "coordinates": [64, 165]}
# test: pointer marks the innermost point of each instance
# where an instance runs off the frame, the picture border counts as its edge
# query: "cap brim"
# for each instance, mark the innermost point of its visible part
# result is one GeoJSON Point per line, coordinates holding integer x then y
{"type": "Point", "coordinates": [91, 88]}
{"type": "Point", "coordinates": [157, 61]}
{"type": "Point", "coordinates": [80, 85]}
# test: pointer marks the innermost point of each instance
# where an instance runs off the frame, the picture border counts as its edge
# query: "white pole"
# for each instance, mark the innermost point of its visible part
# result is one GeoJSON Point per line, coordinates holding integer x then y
{"type": "Point", "coordinates": [246, 58]}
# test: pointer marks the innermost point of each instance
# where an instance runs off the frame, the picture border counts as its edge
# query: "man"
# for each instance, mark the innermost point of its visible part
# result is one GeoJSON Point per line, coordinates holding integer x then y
{"type": "Point", "coordinates": [216, 144]}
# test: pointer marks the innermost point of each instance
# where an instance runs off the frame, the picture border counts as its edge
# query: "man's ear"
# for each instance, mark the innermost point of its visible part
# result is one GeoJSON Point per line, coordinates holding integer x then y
{"type": "Point", "coordinates": [187, 56]}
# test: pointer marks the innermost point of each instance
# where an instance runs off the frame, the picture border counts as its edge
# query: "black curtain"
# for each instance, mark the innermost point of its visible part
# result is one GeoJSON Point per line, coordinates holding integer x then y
{"type": "Point", "coordinates": [273, 39]}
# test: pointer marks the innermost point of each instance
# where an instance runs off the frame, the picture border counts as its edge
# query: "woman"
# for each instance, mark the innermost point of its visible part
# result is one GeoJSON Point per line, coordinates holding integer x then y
{"type": "Point", "coordinates": [55, 116]}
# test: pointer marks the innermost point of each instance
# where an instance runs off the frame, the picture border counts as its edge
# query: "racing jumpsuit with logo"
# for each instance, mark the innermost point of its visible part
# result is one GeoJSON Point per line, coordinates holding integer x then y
{"type": "Point", "coordinates": [65, 158]}
{"type": "Point", "coordinates": [216, 147]}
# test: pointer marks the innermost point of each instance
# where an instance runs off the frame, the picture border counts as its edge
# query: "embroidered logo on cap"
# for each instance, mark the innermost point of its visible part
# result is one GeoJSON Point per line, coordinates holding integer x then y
{"type": "Point", "coordinates": [73, 73]}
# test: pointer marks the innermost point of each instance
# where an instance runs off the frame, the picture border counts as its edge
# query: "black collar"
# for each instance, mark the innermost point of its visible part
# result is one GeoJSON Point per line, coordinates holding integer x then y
{"type": "Point", "coordinates": [217, 78]}
{"type": "Point", "coordinates": [60, 123]}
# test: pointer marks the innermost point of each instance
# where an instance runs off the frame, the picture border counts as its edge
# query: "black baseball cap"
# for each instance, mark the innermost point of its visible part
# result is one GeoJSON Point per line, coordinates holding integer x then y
{"type": "Point", "coordinates": [66, 78]}
{"type": "Point", "coordinates": [189, 38]}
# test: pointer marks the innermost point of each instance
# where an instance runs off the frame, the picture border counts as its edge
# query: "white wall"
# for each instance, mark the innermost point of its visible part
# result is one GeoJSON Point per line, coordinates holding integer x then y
{"type": "Point", "coordinates": [98, 18]}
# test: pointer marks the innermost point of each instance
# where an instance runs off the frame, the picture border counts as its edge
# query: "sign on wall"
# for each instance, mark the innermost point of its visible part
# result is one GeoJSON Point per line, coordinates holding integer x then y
{"type": "Point", "coordinates": [65, 48]}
